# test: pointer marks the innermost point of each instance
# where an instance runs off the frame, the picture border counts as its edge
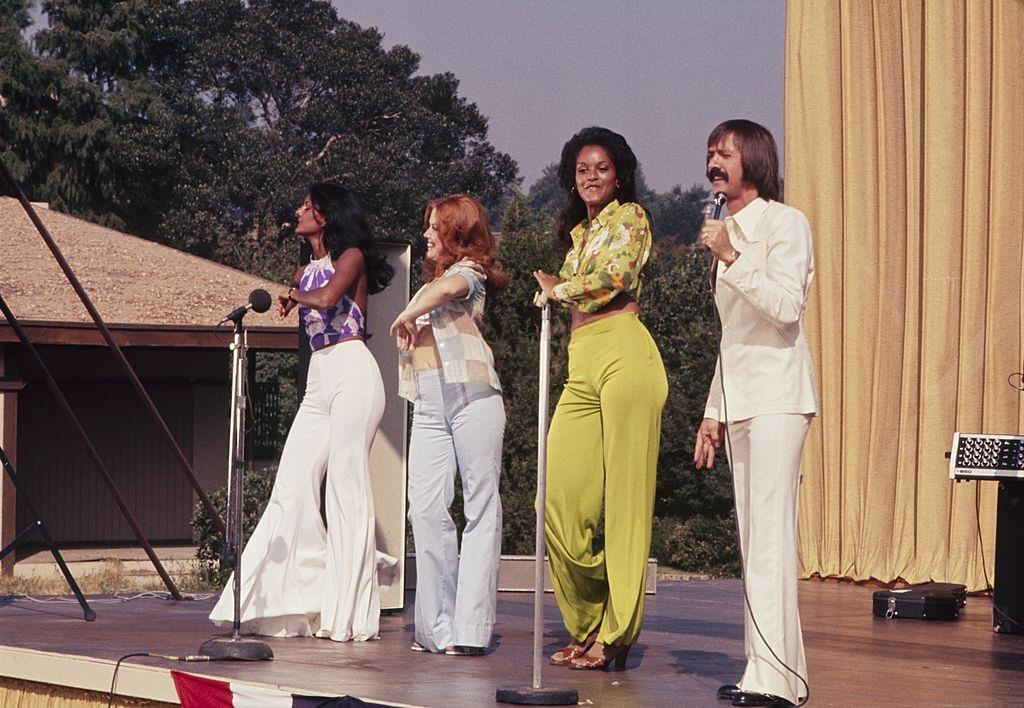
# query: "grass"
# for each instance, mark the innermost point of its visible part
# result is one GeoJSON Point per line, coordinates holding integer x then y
{"type": "Point", "coordinates": [109, 579]}
{"type": "Point", "coordinates": [666, 572]}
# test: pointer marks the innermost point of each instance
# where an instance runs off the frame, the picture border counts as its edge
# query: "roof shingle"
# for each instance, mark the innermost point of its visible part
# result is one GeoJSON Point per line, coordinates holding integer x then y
{"type": "Point", "coordinates": [130, 280]}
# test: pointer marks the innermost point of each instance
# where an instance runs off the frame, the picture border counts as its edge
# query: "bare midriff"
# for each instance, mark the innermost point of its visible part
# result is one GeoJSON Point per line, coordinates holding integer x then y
{"type": "Point", "coordinates": [424, 354]}
{"type": "Point", "coordinates": [623, 302]}
{"type": "Point", "coordinates": [357, 337]}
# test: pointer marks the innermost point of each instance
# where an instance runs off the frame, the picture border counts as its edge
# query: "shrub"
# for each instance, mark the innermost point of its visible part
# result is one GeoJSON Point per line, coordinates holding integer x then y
{"type": "Point", "coordinates": [701, 544]}
{"type": "Point", "coordinates": [209, 539]}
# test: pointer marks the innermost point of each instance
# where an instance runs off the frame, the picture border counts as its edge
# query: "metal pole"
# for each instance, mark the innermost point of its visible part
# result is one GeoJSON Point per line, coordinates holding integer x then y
{"type": "Point", "coordinates": [538, 694]}
{"type": "Point", "coordinates": [58, 395]}
{"type": "Point", "coordinates": [236, 460]}
{"type": "Point", "coordinates": [38, 525]}
{"type": "Point", "coordinates": [231, 554]}
{"type": "Point", "coordinates": [542, 466]}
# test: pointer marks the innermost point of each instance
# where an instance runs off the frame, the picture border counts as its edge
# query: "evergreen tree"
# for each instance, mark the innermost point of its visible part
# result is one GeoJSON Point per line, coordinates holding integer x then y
{"type": "Point", "coordinates": [678, 215]}
{"type": "Point", "coordinates": [546, 195]}
{"type": "Point", "coordinates": [201, 124]}
{"type": "Point", "coordinates": [512, 328]}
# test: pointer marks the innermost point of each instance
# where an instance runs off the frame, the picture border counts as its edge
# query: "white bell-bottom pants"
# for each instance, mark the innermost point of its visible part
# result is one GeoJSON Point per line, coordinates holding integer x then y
{"type": "Point", "coordinates": [456, 602]}
{"type": "Point", "coordinates": [765, 455]}
{"type": "Point", "coordinates": [298, 577]}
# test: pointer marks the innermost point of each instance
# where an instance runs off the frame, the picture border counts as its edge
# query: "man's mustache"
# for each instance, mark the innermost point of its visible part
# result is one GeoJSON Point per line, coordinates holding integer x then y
{"type": "Point", "coordinates": [716, 173]}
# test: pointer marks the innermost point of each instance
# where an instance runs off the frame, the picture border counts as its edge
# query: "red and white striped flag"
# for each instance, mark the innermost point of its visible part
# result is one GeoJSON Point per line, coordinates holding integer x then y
{"type": "Point", "coordinates": [202, 692]}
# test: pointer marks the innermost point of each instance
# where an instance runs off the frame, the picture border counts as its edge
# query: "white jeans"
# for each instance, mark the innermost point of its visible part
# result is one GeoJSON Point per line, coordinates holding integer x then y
{"type": "Point", "coordinates": [455, 603]}
{"type": "Point", "coordinates": [765, 456]}
{"type": "Point", "coordinates": [298, 577]}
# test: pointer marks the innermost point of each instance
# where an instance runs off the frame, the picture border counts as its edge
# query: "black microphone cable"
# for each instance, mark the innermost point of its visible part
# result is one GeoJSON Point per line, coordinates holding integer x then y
{"type": "Point", "coordinates": [117, 666]}
{"type": "Point", "coordinates": [717, 319]}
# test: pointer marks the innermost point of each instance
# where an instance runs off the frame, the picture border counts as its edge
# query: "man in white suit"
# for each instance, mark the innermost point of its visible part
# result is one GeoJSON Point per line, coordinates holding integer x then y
{"type": "Point", "coordinates": [762, 397]}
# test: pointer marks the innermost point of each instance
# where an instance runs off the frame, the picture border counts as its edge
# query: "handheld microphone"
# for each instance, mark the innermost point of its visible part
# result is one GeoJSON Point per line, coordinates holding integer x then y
{"type": "Point", "coordinates": [713, 210]}
{"type": "Point", "coordinates": [259, 301]}
{"type": "Point", "coordinates": [718, 201]}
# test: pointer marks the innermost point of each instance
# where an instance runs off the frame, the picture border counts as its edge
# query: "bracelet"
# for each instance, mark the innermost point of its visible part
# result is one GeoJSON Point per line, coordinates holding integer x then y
{"type": "Point", "coordinates": [290, 292]}
{"type": "Point", "coordinates": [735, 256]}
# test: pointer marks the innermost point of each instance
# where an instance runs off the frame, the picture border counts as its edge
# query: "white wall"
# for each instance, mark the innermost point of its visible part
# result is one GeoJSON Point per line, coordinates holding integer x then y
{"type": "Point", "coordinates": [388, 455]}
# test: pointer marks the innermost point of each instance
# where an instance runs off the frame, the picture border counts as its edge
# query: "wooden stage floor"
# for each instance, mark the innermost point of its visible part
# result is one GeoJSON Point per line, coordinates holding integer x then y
{"type": "Point", "coordinates": [691, 643]}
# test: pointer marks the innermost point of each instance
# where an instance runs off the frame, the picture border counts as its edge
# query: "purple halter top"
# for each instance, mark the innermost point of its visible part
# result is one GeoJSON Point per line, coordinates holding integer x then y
{"type": "Point", "coordinates": [328, 325]}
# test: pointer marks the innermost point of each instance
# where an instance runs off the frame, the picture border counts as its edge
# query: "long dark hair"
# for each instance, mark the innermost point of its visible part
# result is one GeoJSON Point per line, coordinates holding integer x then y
{"type": "Point", "coordinates": [345, 226]}
{"type": "Point", "coordinates": [573, 209]}
{"type": "Point", "coordinates": [759, 156]}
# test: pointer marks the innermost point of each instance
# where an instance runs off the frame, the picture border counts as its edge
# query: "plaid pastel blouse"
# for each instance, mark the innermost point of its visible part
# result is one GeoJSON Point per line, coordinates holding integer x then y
{"type": "Point", "coordinates": [610, 262]}
{"type": "Point", "coordinates": [466, 359]}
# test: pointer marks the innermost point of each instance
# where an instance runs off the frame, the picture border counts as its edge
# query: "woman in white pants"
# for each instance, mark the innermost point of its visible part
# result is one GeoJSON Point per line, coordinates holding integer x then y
{"type": "Point", "coordinates": [447, 371]}
{"type": "Point", "coordinates": [301, 578]}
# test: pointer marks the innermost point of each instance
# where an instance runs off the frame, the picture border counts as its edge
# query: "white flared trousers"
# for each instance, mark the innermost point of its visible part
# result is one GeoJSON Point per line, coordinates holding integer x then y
{"type": "Point", "coordinates": [298, 577]}
{"type": "Point", "coordinates": [765, 456]}
{"type": "Point", "coordinates": [456, 602]}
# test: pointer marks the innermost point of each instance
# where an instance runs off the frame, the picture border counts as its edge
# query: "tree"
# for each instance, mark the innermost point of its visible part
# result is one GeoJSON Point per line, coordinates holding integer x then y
{"type": "Point", "coordinates": [201, 124]}
{"type": "Point", "coordinates": [512, 328]}
{"type": "Point", "coordinates": [678, 215]}
{"type": "Point", "coordinates": [21, 81]}
{"type": "Point", "coordinates": [678, 311]}
{"type": "Point", "coordinates": [546, 194]}
{"type": "Point", "coordinates": [73, 100]}
{"type": "Point", "coordinates": [292, 94]}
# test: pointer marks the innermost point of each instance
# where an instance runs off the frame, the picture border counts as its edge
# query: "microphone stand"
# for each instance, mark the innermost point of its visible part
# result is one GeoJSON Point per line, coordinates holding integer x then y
{"type": "Point", "coordinates": [231, 553]}
{"type": "Point", "coordinates": [537, 694]}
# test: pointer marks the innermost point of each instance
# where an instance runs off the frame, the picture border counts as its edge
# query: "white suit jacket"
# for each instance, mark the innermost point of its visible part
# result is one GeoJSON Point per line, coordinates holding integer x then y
{"type": "Point", "coordinates": [765, 363]}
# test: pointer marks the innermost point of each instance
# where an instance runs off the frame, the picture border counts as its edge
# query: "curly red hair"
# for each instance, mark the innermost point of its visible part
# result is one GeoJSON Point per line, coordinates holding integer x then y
{"type": "Point", "coordinates": [464, 232]}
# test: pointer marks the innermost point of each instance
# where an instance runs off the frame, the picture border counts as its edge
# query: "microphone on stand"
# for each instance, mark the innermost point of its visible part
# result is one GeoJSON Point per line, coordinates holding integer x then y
{"type": "Point", "coordinates": [259, 301]}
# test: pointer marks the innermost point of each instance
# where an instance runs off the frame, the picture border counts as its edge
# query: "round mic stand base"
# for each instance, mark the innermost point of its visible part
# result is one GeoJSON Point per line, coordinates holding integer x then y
{"type": "Point", "coordinates": [236, 649]}
{"type": "Point", "coordinates": [546, 696]}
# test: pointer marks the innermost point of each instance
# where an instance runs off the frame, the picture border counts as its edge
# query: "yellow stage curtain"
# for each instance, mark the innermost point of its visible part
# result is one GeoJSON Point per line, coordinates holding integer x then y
{"type": "Point", "coordinates": [905, 148]}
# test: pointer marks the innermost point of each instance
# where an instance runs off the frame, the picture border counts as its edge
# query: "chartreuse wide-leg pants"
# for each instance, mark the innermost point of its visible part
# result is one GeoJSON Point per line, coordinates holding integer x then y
{"type": "Point", "coordinates": [603, 458]}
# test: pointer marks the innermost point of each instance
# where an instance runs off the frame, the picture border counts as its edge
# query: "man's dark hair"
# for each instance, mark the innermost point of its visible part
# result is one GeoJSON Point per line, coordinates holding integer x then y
{"type": "Point", "coordinates": [758, 154]}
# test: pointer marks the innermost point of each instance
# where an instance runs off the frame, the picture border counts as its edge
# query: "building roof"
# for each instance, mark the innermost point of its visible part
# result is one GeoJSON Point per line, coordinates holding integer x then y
{"type": "Point", "coordinates": [147, 293]}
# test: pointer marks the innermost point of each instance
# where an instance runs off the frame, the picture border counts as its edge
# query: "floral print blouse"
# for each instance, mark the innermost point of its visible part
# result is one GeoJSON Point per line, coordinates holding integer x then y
{"type": "Point", "coordinates": [607, 257]}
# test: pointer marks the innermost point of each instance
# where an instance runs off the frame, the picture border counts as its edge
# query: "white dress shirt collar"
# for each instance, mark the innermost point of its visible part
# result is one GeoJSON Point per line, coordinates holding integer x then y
{"type": "Point", "coordinates": [747, 218]}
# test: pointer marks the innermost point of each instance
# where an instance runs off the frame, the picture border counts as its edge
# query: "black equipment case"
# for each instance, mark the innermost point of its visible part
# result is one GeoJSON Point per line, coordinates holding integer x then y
{"type": "Point", "coordinates": [928, 601]}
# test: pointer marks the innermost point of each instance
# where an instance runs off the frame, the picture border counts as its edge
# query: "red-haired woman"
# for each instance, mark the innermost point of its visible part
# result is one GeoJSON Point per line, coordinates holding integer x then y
{"type": "Point", "coordinates": [447, 371]}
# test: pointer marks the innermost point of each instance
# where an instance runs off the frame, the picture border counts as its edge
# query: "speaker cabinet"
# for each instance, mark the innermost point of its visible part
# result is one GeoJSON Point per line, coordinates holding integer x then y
{"type": "Point", "coordinates": [1008, 595]}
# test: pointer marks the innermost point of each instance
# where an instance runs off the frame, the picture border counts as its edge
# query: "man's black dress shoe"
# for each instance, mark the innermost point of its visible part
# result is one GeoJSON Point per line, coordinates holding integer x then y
{"type": "Point", "coordinates": [765, 700]}
{"type": "Point", "coordinates": [728, 691]}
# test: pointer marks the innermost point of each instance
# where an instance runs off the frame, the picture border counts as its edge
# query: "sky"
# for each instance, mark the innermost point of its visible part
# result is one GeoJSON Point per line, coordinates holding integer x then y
{"type": "Point", "coordinates": [661, 72]}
